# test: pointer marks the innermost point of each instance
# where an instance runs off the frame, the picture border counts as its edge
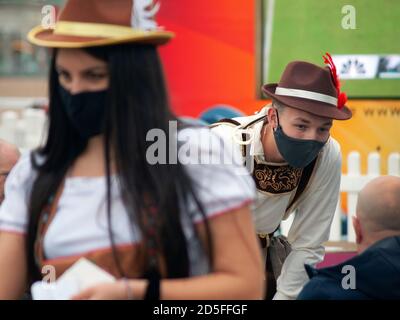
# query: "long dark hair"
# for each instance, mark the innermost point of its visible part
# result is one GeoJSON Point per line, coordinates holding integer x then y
{"type": "Point", "coordinates": [152, 194]}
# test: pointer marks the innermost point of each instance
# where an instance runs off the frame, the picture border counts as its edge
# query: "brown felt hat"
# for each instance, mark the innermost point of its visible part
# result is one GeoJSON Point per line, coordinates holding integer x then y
{"type": "Point", "coordinates": [310, 88]}
{"type": "Point", "coordinates": [90, 23]}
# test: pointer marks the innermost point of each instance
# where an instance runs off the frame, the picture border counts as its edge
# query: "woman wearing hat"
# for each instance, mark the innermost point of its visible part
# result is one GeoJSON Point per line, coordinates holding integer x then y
{"type": "Point", "coordinates": [296, 166]}
{"type": "Point", "coordinates": [91, 192]}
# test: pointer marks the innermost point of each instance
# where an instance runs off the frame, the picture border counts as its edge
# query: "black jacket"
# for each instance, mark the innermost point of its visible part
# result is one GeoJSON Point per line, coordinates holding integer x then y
{"type": "Point", "coordinates": [377, 272]}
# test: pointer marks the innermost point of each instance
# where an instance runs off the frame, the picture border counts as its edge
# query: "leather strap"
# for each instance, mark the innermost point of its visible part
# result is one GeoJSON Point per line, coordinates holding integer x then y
{"type": "Point", "coordinates": [304, 179]}
{"type": "Point", "coordinates": [227, 120]}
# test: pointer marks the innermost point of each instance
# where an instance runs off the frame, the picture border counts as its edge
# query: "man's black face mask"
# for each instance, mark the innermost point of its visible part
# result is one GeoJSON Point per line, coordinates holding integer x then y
{"type": "Point", "coordinates": [297, 152]}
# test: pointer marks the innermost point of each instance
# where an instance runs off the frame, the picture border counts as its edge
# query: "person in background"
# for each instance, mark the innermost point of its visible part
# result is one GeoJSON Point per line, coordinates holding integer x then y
{"type": "Point", "coordinates": [375, 272]}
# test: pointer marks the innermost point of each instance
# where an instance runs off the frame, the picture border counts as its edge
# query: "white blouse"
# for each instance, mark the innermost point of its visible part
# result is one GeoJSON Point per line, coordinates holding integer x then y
{"type": "Point", "coordinates": [80, 223]}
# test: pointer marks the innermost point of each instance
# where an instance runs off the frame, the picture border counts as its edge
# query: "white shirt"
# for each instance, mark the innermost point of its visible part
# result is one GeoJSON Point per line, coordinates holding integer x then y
{"type": "Point", "coordinates": [80, 223]}
{"type": "Point", "coordinates": [313, 211]}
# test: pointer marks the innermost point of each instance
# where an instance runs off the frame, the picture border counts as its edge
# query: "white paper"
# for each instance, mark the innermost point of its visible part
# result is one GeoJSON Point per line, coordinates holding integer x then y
{"type": "Point", "coordinates": [81, 275]}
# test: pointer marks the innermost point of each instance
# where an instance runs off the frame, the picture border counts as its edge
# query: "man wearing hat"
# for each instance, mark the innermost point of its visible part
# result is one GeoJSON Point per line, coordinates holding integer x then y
{"type": "Point", "coordinates": [296, 166]}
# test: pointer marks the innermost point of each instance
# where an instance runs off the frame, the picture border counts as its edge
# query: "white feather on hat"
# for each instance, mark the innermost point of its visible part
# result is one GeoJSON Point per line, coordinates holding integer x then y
{"type": "Point", "coordinates": [142, 16]}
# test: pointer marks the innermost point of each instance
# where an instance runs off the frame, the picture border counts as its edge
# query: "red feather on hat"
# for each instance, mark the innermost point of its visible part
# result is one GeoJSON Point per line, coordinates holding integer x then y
{"type": "Point", "coordinates": [342, 97]}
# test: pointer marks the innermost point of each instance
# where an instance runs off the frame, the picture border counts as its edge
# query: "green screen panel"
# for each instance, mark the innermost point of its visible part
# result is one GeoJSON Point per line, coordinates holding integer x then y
{"type": "Point", "coordinates": [306, 29]}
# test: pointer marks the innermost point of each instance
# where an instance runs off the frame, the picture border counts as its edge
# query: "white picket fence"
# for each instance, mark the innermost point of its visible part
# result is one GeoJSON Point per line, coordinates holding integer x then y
{"type": "Point", "coordinates": [352, 183]}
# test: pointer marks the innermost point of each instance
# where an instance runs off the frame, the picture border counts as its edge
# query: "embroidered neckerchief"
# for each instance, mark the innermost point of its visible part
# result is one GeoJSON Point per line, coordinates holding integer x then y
{"type": "Point", "coordinates": [276, 179]}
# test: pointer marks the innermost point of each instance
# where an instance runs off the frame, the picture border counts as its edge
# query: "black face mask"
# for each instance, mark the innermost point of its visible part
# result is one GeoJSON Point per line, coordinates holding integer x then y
{"type": "Point", "coordinates": [297, 152]}
{"type": "Point", "coordinates": [85, 110]}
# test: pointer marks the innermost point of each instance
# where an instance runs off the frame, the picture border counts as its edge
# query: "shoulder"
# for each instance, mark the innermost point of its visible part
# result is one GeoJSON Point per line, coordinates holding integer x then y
{"type": "Point", "coordinates": [201, 145]}
{"type": "Point", "coordinates": [23, 170]}
{"type": "Point", "coordinates": [227, 127]}
{"type": "Point", "coordinates": [199, 139]}
{"type": "Point", "coordinates": [195, 135]}
{"type": "Point", "coordinates": [23, 174]}
{"type": "Point", "coordinates": [323, 285]}
{"type": "Point", "coordinates": [325, 288]}
{"type": "Point", "coordinates": [221, 181]}
{"type": "Point", "coordinates": [226, 130]}
{"type": "Point", "coordinates": [232, 132]}
{"type": "Point", "coordinates": [319, 288]}
{"type": "Point", "coordinates": [14, 208]}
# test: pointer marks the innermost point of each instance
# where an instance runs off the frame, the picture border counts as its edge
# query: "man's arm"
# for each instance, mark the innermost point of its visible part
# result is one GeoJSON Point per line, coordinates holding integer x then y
{"type": "Point", "coordinates": [13, 271]}
{"type": "Point", "coordinates": [311, 224]}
